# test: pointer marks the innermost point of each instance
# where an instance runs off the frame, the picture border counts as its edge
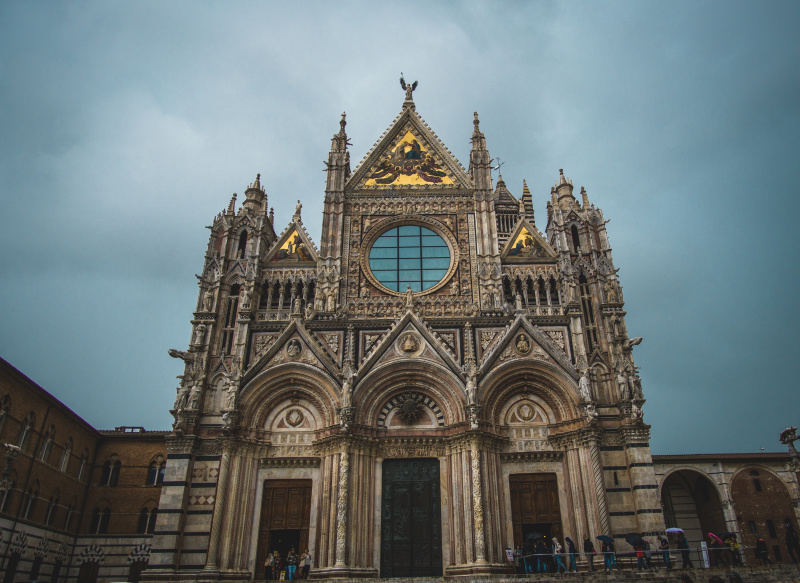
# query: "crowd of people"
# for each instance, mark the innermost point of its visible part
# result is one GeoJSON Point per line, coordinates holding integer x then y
{"type": "Point", "coordinates": [543, 555]}
{"type": "Point", "coordinates": [291, 567]}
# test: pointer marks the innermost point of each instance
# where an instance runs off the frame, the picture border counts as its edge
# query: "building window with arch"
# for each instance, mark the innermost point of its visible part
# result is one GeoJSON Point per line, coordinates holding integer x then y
{"type": "Point", "coordinates": [25, 431]}
{"type": "Point", "coordinates": [155, 475]}
{"type": "Point", "coordinates": [147, 520]}
{"type": "Point", "coordinates": [110, 475]}
{"type": "Point", "coordinates": [4, 404]}
{"type": "Point", "coordinates": [82, 466]}
{"type": "Point", "coordinates": [242, 251]}
{"type": "Point", "coordinates": [52, 509]}
{"type": "Point", "coordinates": [576, 239]}
{"type": "Point", "coordinates": [47, 446]}
{"type": "Point", "coordinates": [64, 465]}
{"type": "Point", "coordinates": [100, 520]}
{"type": "Point", "coordinates": [29, 504]}
{"type": "Point", "coordinates": [756, 481]}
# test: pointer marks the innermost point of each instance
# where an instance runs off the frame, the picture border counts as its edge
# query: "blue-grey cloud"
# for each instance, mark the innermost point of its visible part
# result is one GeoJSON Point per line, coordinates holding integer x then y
{"type": "Point", "coordinates": [127, 127]}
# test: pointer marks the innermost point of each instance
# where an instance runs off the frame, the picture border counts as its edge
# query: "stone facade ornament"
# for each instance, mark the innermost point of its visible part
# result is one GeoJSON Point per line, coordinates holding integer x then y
{"type": "Point", "coordinates": [200, 334]}
{"type": "Point", "coordinates": [294, 417]}
{"type": "Point", "coordinates": [585, 385]}
{"type": "Point", "coordinates": [294, 348]}
{"type": "Point", "coordinates": [523, 344]}
{"type": "Point", "coordinates": [410, 408]}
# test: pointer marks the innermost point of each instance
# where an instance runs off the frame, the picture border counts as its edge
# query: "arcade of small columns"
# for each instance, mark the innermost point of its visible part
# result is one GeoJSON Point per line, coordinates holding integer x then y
{"type": "Point", "coordinates": [475, 464]}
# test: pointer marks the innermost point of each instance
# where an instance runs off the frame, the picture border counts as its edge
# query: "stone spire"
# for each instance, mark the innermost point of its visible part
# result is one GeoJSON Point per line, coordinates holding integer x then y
{"type": "Point", "coordinates": [256, 198]}
{"type": "Point", "coordinates": [527, 202]}
{"type": "Point", "coordinates": [563, 191]}
{"type": "Point", "coordinates": [479, 160]}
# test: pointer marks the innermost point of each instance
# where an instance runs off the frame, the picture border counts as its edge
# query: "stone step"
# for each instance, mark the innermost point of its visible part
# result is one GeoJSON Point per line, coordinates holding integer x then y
{"type": "Point", "coordinates": [787, 573]}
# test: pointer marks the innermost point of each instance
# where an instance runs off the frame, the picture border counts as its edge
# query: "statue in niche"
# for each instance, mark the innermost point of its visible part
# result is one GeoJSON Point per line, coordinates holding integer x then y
{"type": "Point", "coordinates": [622, 386]}
{"type": "Point", "coordinates": [230, 395]}
{"type": "Point", "coordinates": [409, 297]}
{"type": "Point", "coordinates": [200, 334]}
{"type": "Point", "coordinates": [208, 300]}
{"type": "Point", "coordinates": [523, 344]}
{"type": "Point", "coordinates": [244, 297]}
{"type": "Point", "coordinates": [298, 306]}
{"type": "Point", "coordinates": [409, 344]}
{"type": "Point", "coordinates": [347, 385]}
{"type": "Point", "coordinates": [518, 302]}
{"type": "Point", "coordinates": [454, 289]}
{"type": "Point", "coordinates": [611, 292]}
{"type": "Point", "coordinates": [472, 389]}
{"type": "Point", "coordinates": [331, 302]}
{"type": "Point", "coordinates": [585, 385]}
{"type": "Point", "coordinates": [364, 289]}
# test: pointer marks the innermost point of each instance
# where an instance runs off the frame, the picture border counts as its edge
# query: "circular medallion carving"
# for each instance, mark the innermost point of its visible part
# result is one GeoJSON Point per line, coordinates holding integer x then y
{"type": "Point", "coordinates": [294, 348]}
{"type": "Point", "coordinates": [410, 407]}
{"type": "Point", "coordinates": [522, 344]}
{"type": "Point", "coordinates": [294, 417]}
{"type": "Point", "coordinates": [525, 411]}
{"type": "Point", "coordinates": [409, 343]}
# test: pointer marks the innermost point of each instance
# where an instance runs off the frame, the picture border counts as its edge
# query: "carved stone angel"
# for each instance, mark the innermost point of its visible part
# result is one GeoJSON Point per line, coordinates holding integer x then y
{"type": "Point", "coordinates": [585, 385]}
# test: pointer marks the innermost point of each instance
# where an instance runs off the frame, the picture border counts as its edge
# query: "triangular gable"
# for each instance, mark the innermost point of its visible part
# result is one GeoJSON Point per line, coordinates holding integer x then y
{"type": "Point", "coordinates": [525, 340]}
{"type": "Point", "coordinates": [410, 329]}
{"type": "Point", "coordinates": [409, 155]}
{"type": "Point", "coordinates": [284, 349]}
{"type": "Point", "coordinates": [294, 246]}
{"type": "Point", "coordinates": [526, 242]}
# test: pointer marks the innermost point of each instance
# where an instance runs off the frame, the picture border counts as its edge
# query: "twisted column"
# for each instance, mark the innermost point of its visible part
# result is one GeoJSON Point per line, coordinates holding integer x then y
{"type": "Point", "coordinates": [599, 488]}
{"type": "Point", "coordinates": [477, 504]}
{"type": "Point", "coordinates": [341, 509]}
{"type": "Point", "coordinates": [219, 505]}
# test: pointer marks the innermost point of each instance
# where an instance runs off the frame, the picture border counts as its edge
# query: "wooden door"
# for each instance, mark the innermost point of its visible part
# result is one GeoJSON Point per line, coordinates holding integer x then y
{"type": "Point", "coordinates": [411, 527]}
{"type": "Point", "coordinates": [535, 506]}
{"type": "Point", "coordinates": [285, 507]}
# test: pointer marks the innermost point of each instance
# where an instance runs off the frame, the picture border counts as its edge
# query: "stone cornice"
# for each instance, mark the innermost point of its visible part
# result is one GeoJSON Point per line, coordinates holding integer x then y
{"type": "Point", "coordinates": [293, 462]}
{"type": "Point", "coordinates": [531, 456]}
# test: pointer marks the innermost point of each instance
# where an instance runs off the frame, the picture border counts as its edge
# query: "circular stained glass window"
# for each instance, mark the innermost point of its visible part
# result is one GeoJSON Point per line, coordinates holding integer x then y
{"type": "Point", "coordinates": [409, 256]}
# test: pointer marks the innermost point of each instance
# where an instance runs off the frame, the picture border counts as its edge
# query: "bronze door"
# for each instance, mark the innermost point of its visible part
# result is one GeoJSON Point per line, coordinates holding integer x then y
{"type": "Point", "coordinates": [411, 528]}
{"type": "Point", "coordinates": [535, 506]}
{"type": "Point", "coordinates": [285, 518]}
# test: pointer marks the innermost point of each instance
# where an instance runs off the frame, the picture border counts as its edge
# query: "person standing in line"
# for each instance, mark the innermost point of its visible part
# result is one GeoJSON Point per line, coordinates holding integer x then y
{"type": "Point", "coordinates": [291, 564]}
{"type": "Point", "coordinates": [683, 546]}
{"type": "Point", "coordinates": [541, 551]}
{"type": "Point", "coordinates": [557, 550]}
{"type": "Point", "coordinates": [573, 565]}
{"type": "Point", "coordinates": [792, 542]}
{"type": "Point", "coordinates": [588, 548]}
{"type": "Point", "coordinates": [277, 566]}
{"type": "Point", "coordinates": [664, 548]}
{"type": "Point", "coordinates": [647, 553]}
{"type": "Point", "coordinates": [762, 552]}
{"type": "Point", "coordinates": [305, 562]}
{"type": "Point", "coordinates": [268, 565]}
{"type": "Point", "coordinates": [518, 560]}
{"type": "Point", "coordinates": [640, 566]}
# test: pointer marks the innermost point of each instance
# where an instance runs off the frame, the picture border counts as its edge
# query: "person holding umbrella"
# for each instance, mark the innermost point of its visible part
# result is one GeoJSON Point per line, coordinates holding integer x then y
{"type": "Point", "coordinates": [715, 547]}
{"type": "Point", "coordinates": [588, 548]}
{"type": "Point", "coordinates": [762, 552]}
{"type": "Point", "coordinates": [608, 553]}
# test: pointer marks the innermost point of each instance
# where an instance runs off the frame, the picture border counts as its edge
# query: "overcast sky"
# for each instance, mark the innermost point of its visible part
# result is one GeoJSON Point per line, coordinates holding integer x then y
{"type": "Point", "coordinates": [125, 127]}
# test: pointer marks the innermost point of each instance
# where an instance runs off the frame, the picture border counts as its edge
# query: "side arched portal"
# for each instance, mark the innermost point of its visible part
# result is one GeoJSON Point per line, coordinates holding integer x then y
{"type": "Point", "coordinates": [691, 501]}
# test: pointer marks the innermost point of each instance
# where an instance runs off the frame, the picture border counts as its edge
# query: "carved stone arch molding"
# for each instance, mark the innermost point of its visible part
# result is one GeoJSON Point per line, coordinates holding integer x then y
{"type": "Point", "coordinates": [261, 397]}
{"type": "Point", "coordinates": [551, 387]}
{"type": "Point", "coordinates": [386, 382]}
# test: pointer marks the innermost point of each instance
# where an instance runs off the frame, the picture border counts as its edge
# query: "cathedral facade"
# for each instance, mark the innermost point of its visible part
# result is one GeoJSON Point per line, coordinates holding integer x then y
{"type": "Point", "coordinates": [434, 381]}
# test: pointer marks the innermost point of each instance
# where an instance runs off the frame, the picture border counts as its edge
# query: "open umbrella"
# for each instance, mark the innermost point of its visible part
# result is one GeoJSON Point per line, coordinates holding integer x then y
{"type": "Point", "coordinates": [724, 535]}
{"type": "Point", "coordinates": [605, 539]}
{"type": "Point", "coordinates": [534, 536]}
{"type": "Point", "coordinates": [634, 539]}
{"type": "Point", "coordinates": [712, 535]}
{"type": "Point", "coordinates": [674, 530]}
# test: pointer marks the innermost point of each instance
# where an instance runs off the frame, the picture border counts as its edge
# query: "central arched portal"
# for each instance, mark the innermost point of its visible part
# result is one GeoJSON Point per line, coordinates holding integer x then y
{"type": "Point", "coordinates": [411, 524]}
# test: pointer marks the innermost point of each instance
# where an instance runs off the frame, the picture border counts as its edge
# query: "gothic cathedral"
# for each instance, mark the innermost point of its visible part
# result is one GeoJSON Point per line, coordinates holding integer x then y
{"type": "Point", "coordinates": [432, 383]}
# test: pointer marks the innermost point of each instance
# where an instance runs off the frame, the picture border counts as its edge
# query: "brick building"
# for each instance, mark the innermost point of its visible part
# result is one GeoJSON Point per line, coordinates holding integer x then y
{"type": "Point", "coordinates": [79, 500]}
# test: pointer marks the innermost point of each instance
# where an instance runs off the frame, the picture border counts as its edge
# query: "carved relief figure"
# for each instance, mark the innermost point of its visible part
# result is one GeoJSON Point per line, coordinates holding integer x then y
{"type": "Point", "coordinates": [200, 334]}
{"type": "Point", "coordinates": [523, 344]}
{"type": "Point", "coordinates": [294, 348]}
{"type": "Point", "coordinates": [180, 399]}
{"type": "Point", "coordinates": [194, 397]}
